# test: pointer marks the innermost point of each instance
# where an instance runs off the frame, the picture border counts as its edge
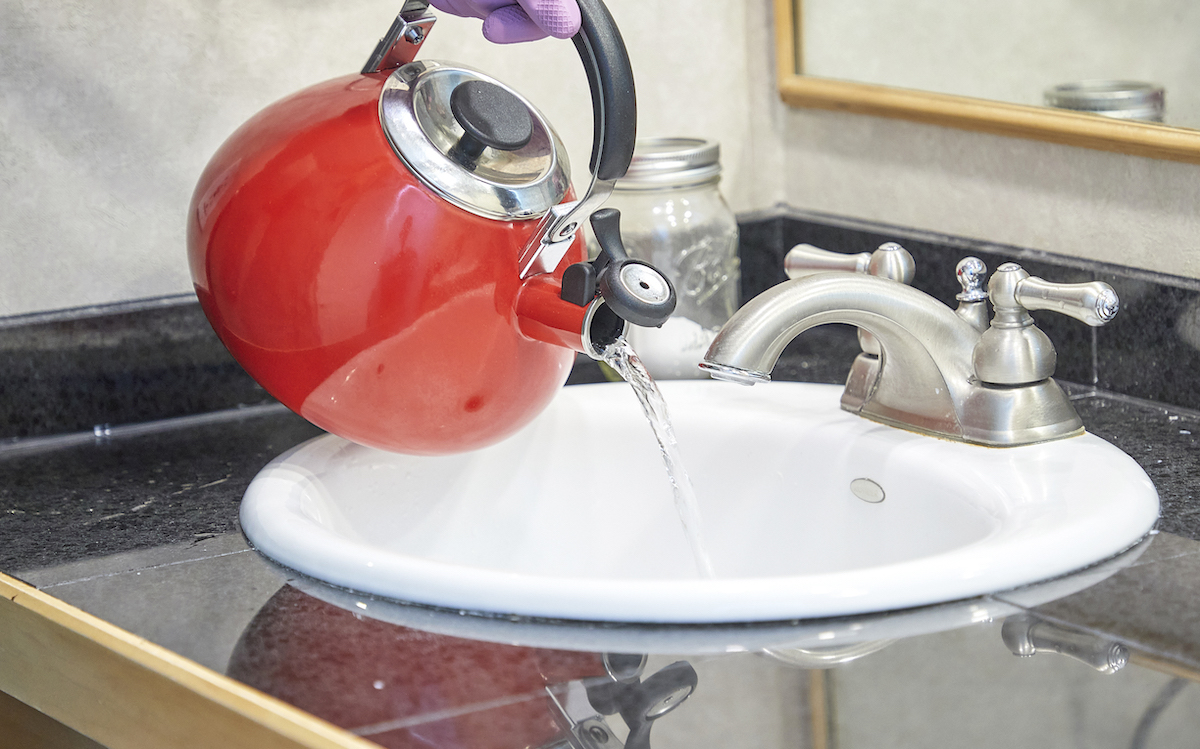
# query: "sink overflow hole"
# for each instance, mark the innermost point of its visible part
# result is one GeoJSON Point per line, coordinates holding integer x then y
{"type": "Point", "coordinates": [867, 490]}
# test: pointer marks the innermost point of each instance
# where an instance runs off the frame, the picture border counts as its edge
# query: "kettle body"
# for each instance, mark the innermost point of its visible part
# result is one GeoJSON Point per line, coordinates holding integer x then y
{"type": "Point", "coordinates": [385, 252]}
{"type": "Point", "coordinates": [356, 295]}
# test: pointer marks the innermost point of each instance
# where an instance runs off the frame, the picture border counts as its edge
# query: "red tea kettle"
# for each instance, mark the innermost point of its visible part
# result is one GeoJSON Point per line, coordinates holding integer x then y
{"type": "Point", "coordinates": [394, 254]}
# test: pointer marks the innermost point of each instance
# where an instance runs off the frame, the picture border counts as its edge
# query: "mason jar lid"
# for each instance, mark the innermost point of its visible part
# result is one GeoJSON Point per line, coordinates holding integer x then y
{"type": "Point", "coordinates": [672, 162]}
{"type": "Point", "coordinates": [1113, 98]}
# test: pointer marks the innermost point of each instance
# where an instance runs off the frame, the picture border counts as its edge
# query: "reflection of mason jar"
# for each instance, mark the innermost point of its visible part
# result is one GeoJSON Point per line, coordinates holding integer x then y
{"type": "Point", "coordinates": [673, 217]}
{"type": "Point", "coordinates": [1125, 100]}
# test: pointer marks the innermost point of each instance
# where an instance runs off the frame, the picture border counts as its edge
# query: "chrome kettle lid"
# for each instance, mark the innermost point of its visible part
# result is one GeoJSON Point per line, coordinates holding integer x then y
{"type": "Point", "coordinates": [474, 141]}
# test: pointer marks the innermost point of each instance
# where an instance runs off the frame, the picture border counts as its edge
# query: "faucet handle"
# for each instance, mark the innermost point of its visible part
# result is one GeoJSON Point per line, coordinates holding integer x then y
{"type": "Point", "coordinates": [889, 261]}
{"type": "Point", "coordinates": [893, 262]}
{"type": "Point", "coordinates": [971, 273]}
{"type": "Point", "coordinates": [806, 259]}
{"type": "Point", "coordinates": [1094, 303]}
{"type": "Point", "coordinates": [1013, 291]}
{"type": "Point", "coordinates": [1014, 351]}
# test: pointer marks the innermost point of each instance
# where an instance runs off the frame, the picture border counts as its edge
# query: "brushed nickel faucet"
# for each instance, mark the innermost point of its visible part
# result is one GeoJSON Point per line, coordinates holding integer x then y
{"type": "Point", "coordinates": [925, 367]}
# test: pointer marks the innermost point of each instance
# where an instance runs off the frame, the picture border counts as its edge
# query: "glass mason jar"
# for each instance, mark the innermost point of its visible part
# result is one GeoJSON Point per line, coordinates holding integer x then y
{"type": "Point", "coordinates": [673, 217]}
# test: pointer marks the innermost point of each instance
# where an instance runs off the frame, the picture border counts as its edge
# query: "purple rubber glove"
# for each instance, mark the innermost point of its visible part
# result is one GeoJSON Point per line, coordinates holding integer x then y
{"type": "Point", "coordinates": [508, 21]}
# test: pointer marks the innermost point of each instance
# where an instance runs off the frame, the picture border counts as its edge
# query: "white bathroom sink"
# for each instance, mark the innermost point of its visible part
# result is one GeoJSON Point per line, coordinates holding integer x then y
{"type": "Point", "coordinates": [574, 518]}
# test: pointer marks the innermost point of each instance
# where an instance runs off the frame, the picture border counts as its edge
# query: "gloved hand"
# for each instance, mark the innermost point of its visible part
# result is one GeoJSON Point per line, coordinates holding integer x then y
{"type": "Point", "coordinates": [508, 21]}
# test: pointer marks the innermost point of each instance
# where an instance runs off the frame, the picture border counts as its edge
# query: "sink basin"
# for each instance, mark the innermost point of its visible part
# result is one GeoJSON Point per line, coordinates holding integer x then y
{"type": "Point", "coordinates": [574, 518]}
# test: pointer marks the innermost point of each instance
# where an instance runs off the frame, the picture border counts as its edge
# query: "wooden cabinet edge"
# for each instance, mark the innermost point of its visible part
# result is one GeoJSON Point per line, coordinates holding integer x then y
{"type": "Point", "coordinates": [125, 692]}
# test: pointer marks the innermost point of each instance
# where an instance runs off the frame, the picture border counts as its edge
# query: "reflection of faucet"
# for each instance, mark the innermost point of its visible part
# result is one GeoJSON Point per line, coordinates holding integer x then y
{"type": "Point", "coordinates": [936, 372]}
{"type": "Point", "coordinates": [1027, 635]}
{"type": "Point", "coordinates": [582, 704]}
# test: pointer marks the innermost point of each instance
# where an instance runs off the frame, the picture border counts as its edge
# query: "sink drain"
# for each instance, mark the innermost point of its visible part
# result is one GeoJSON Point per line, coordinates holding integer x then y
{"type": "Point", "coordinates": [867, 490]}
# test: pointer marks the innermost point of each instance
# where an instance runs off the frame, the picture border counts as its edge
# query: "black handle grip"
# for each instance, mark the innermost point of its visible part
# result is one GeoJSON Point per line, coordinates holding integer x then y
{"type": "Point", "coordinates": [610, 77]}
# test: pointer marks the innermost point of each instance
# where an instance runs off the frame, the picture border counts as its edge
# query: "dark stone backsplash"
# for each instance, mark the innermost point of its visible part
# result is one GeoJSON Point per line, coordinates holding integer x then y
{"type": "Point", "coordinates": [74, 370]}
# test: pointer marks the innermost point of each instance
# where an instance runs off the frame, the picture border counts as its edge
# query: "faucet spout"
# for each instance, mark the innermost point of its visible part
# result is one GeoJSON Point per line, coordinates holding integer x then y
{"type": "Point", "coordinates": [924, 367]}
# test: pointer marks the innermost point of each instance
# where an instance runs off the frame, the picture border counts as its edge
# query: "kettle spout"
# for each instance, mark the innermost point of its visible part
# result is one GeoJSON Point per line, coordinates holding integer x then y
{"type": "Point", "coordinates": [544, 315]}
{"type": "Point", "coordinates": [596, 301]}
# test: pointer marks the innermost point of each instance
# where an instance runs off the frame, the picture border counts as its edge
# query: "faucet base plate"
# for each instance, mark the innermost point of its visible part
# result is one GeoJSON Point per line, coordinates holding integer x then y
{"type": "Point", "coordinates": [1010, 416]}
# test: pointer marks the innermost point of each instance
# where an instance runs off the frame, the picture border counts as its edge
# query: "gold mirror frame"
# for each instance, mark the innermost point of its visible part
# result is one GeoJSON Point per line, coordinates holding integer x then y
{"type": "Point", "coordinates": [965, 113]}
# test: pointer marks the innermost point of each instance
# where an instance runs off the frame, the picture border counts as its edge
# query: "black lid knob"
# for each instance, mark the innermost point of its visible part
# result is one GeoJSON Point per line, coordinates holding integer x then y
{"type": "Point", "coordinates": [491, 117]}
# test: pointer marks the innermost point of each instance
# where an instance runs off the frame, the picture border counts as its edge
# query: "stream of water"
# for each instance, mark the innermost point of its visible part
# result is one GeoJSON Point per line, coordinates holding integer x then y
{"type": "Point", "coordinates": [621, 357]}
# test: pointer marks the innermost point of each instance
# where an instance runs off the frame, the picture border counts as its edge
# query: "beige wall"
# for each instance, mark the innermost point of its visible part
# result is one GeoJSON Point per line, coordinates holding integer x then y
{"type": "Point", "coordinates": [110, 110]}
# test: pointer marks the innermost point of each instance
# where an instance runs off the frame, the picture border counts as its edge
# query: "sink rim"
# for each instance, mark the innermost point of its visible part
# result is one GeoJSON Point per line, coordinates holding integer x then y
{"type": "Point", "coordinates": [690, 638]}
{"type": "Point", "coordinates": [276, 525]}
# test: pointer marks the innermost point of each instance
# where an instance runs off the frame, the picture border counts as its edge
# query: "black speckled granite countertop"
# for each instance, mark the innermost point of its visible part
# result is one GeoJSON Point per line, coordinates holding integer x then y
{"type": "Point", "coordinates": [1165, 442]}
{"type": "Point", "coordinates": [98, 496]}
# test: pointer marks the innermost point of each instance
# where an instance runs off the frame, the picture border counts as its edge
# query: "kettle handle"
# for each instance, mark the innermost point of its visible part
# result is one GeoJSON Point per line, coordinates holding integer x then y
{"type": "Point", "coordinates": [614, 107]}
{"type": "Point", "coordinates": [610, 77]}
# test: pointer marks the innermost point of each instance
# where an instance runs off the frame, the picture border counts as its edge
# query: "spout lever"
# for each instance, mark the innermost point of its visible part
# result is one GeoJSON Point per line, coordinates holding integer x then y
{"type": "Point", "coordinates": [636, 291]}
{"type": "Point", "coordinates": [640, 703]}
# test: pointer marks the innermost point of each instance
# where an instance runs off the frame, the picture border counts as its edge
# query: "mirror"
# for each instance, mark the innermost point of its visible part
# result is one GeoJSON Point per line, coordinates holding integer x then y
{"type": "Point", "coordinates": [985, 67]}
